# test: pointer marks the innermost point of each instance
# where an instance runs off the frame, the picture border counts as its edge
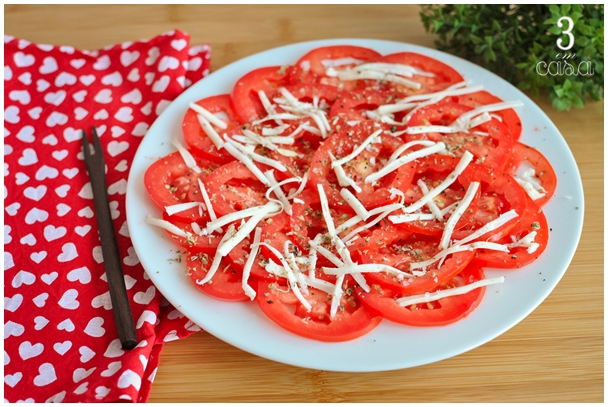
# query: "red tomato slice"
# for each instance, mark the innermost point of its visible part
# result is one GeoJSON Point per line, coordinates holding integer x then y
{"type": "Point", "coordinates": [205, 244]}
{"type": "Point", "coordinates": [533, 221]}
{"type": "Point", "coordinates": [245, 99]}
{"type": "Point", "coordinates": [368, 161]}
{"type": "Point", "coordinates": [232, 187]}
{"type": "Point", "coordinates": [313, 60]}
{"type": "Point", "coordinates": [493, 149]}
{"type": "Point", "coordinates": [226, 283]}
{"type": "Point", "coordinates": [198, 140]}
{"type": "Point", "coordinates": [169, 181]}
{"type": "Point", "coordinates": [399, 251]}
{"type": "Point", "coordinates": [440, 312]}
{"type": "Point", "coordinates": [432, 171]}
{"type": "Point", "coordinates": [543, 169]}
{"type": "Point", "coordinates": [283, 308]}
{"type": "Point", "coordinates": [352, 106]}
{"type": "Point", "coordinates": [444, 75]}
{"type": "Point", "coordinates": [509, 117]}
{"type": "Point", "coordinates": [500, 193]}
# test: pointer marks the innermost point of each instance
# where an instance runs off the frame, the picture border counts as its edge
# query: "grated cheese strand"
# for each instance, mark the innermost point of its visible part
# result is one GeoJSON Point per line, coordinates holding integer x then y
{"type": "Point", "coordinates": [343, 179]}
{"type": "Point", "coordinates": [234, 216]}
{"type": "Point", "coordinates": [354, 203]}
{"type": "Point", "coordinates": [186, 156]}
{"type": "Point", "coordinates": [290, 276]}
{"type": "Point", "coordinates": [208, 204]}
{"type": "Point", "coordinates": [210, 131]}
{"type": "Point", "coordinates": [168, 226]}
{"type": "Point", "coordinates": [250, 292]}
{"type": "Point", "coordinates": [466, 159]}
{"type": "Point", "coordinates": [225, 247]}
{"type": "Point", "coordinates": [410, 217]}
{"type": "Point", "coordinates": [437, 295]}
{"type": "Point", "coordinates": [247, 162]}
{"type": "Point", "coordinates": [409, 157]}
{"type": "Point", "coordinates": [431, 204]}
{"type": "Point", "coordinates": [365, 268]}
{"type": "Point", "coordinates": [456, 248]}
{"type": "Point", "coordinates": [526, 241]}
{"type": "Point", "coordinates": [367, 225]}
{"type": "Point", "coordinates": [173, 209]}
{"type": "Point", "coordinates": [255, 156]}
{"type": "Point", "coordinates": [407, 146]}
{"type": "Point", "coordinates": [457, 214]}
{"type": "Point", "coordinates": [276, 188]}
{"type": "Point", "coordinates": [217, 258]}
{"type": "Point", "coordinates": [488, 227]}
{"type": "Point", "coordinates": [211, 118]}
{"type": "Point", "coordinates": [357, 150]}
{"type": "Point", "coordinates": [356, 219]}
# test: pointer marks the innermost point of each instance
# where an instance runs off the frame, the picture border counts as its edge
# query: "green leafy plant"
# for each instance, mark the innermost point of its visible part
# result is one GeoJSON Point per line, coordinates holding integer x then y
{"type": "Point", "coordinates": [519, 43]}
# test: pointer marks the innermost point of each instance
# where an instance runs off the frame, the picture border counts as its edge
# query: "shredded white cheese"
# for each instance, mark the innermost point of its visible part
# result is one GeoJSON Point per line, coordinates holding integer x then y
{"type": "Point", "coordinates": [170, 227]}
{"type": "Point", "coordinates": [187, 157]}
{"type": "Point", "coordinates": [437, 295]}
{"type": "Point", "coordinates": [457, 214]}
{"type": "Point", "coordinates": [250, 292]}
{"type": "Point", "coordinates": [409, 157]}
{"type": "Point", "coordinates": [211, 118]}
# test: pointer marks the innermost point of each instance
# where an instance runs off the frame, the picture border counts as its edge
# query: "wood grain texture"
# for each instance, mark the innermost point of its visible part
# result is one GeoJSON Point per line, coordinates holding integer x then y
{"type": "Point", "coordinates": [555, 354]}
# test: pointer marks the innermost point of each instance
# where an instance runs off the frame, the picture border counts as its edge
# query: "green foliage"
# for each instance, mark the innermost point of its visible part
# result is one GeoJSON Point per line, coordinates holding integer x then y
{"type": "Point", "coordinates": [511, 41]}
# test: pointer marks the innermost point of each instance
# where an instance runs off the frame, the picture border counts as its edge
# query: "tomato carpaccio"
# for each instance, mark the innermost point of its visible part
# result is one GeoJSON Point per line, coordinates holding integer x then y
{"type": "Point", "coordinates": [350, 187]}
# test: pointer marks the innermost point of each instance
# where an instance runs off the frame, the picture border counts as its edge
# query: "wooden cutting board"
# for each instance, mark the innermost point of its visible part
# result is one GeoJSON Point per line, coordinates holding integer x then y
{"type": "Point", "coordinates": [555, 354]}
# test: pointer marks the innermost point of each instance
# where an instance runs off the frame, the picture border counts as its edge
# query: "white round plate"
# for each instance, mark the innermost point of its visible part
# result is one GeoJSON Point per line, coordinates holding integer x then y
{"type": "Point", "coordinates": [390, 346]}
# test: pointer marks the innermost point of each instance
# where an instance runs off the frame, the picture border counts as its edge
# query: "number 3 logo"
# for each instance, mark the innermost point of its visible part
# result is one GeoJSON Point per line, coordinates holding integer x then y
{"type": "Point", "coordinates": [568, 32]}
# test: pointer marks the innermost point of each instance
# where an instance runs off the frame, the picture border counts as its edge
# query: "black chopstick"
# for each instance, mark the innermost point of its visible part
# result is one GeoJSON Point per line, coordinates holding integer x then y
{"type": "Point", "coordinates": [118, 291]}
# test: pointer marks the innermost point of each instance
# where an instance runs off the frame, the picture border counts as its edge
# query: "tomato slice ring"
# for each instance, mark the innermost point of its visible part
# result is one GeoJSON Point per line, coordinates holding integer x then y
{"type": "Point", "coordinates": [543, 169]}
{"type": "Point", "coordinates": [169, 182]}
{"type": "Point", "coordinates": [245, 99]}
{"type": "Point", "coordinates": [509, 117]}
{"type": "Point", "coordinates": [232, 187]}
{"type": "Point", "coordinates": [313, 60]}
{"type": "Point", "coordinates": [283, 308]}
{"type": "Point", "coordinates": [533, 221]}
{"type": "Point", "coordinates": [342, 144]}
{"type": "Point", "coordinates": [444, 75]}
{"type": "Point", "coordinates": [399, 252]}
{"type": "Point", "coordinates": [492, 147]}
{"type": "Point", "coordinates": [195, 136]}
{"type": "Point", "coordinates": [226, 283]}
{"type": "Point", "coordinates": [440, 312]}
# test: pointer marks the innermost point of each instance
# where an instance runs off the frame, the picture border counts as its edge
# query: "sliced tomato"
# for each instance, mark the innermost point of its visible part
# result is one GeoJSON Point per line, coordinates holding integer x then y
{"type": "Point", "coordinates": [492, 148]}
{"type": "Point", "coordinates": [245, 94]}
{"type": "Point", "coordinates": [524, 155]}
{"type": "Point", "coordinates": [353, 106]}
{"type": "Point", "coordinates": [442, 75]}
{"type": "Point", "coordinates": [509, 117]}
{"type": "Point", "coordinates": [439, 312]}
{"type": "Point", "coordinates": [205, 244]}
{"type": "Point", "coordinates": [534, 220]}
{"type": "Point", "coordinates": [169, 182]}
{"type": "Point", "coordinates": [368, 161]}
{"type": "Point", "coordinates": [317, 60]}
{"type": "Point", "coordinates": [232, 187]}
{"type": "Point", "coordinates": [400, 251]}
{"type": "Point", "coordinates": [281, 305]}
{"type": "Point", "coordinates": [195, 136]}
{"type": "Point", "coordinates": [500, 193]}
{"type": "Point", "coordinates": [226, 284]}
{"type": "Point", "coordinates": [432, 171]}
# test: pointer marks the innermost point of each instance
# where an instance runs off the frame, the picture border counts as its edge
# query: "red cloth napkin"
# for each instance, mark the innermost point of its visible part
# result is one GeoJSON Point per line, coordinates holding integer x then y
{"type": "Point", "coordinates": [60, 341]}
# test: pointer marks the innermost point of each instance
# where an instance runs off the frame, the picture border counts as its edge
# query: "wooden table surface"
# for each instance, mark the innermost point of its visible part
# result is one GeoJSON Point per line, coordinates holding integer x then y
{"type": "Point", "coordinates": [555, 354]}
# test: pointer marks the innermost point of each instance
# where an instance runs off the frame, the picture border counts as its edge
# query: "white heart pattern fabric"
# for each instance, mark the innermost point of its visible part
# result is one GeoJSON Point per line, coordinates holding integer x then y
{"type": "Point", "coordinates": [60, 341]}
